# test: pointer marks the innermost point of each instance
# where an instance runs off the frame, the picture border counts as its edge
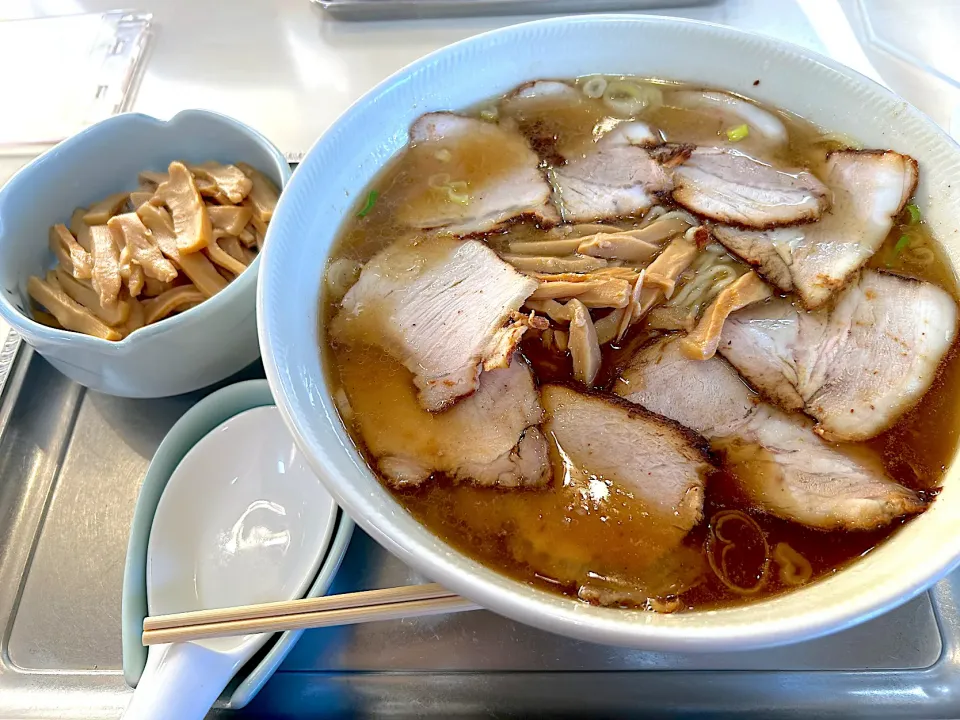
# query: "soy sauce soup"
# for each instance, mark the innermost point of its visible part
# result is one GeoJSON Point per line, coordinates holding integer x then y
{"type": "Point", "coordinates": [575, 531]}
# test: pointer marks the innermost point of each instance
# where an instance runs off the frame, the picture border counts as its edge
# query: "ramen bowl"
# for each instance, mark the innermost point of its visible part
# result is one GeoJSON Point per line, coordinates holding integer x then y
{"type": "Point", "coordinates": [187, 351]}
{"type": "Point", "coordinates": [360, 143]}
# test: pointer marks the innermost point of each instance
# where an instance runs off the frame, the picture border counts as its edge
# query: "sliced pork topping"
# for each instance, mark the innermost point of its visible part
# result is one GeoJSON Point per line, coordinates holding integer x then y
{"type": "Point", "coordinates": [781, 465]}
{"type": "Point", "coordinates": [791, 474]}
{"type": "Point", "coordinates": [730, 187]}
{"type": "Point", "coordinates": [751, 127]}
{"type": "Point", "coordinates": [538, 96]}
{"type": "Point", "coordinates": [545, 111]}
{"type": "Point", "coordinates": [442, 308]}
{"type": "Point", "coordinates": [701, 343]}
{"type": "Point", "coordinates": [856, 368]}
{"type": "Point", "coordinates": [468, 176]}
{"type": "Point", "coordinates": [620, 176]}
{"type": "Point", "coordinates": [771, 252]}
{"type": "Point", "coordinates": [490, 438]}
{"type": "Point", "coordinates": [869, 189]}
{"type": "Point", "coordinates": [662, 464]}
{"type": "Point", "coordinates": [707, 397]}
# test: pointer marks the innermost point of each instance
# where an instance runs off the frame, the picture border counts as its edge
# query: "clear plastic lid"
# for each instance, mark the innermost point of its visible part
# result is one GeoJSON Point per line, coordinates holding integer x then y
{"type": "Point", "coordinates": [64, 73]}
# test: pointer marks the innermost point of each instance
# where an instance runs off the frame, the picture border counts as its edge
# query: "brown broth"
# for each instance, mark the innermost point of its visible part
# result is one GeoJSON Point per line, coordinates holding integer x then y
{"type": "Point", "coordinates": [555, 537]}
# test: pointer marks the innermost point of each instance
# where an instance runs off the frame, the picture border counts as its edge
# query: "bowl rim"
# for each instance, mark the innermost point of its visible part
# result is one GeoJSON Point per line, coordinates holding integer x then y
{"type": "Point", "coordinates": [493, 589]}
{"type": "Point", "coordinates": [234, 288]}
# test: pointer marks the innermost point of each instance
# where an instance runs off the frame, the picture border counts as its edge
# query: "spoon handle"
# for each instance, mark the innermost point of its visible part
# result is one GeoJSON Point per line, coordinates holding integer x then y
{"type": "Point", "coordinates": [180, 681]}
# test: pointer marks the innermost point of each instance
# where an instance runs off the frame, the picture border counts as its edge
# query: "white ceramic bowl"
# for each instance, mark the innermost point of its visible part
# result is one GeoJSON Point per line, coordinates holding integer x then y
{"type": "Point", "coordinates": [346, 158]}
{"type": "Point", "coordinates": [188, 351]}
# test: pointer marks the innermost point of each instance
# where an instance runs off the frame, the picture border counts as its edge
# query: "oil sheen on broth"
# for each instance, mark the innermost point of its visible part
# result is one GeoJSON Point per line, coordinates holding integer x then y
{"type": "Point", "coordinates": [581, 528]}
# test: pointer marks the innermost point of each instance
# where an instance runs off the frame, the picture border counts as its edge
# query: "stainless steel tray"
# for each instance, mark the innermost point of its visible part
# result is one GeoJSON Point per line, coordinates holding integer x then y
{"type": "Point", "coordinates": [71, 463]}
{"type": "Point", "coordinates": [419, 9]}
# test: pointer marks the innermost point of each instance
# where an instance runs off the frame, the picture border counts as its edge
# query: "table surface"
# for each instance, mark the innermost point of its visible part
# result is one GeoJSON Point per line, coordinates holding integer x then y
{"type": "Point", "coordinates": [300, 69]}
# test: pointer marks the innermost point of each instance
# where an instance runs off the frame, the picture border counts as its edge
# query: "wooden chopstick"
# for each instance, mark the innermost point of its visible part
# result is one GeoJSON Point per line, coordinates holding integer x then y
{"type": "Point", "coordinates": [303, 605]}
{"type": "Point", "coordinates": [344, 609]}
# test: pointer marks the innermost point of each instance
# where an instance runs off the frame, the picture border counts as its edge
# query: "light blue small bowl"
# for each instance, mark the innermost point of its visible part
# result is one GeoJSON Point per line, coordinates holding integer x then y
{"type": "Point", "coordinates": [191, 350]}
{"type": "Point", "coordinates": [195, 424]}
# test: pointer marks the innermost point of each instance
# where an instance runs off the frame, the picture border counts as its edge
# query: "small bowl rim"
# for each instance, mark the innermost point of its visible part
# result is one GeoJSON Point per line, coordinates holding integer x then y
{"type": "Point", "coordinates": [35, 330]}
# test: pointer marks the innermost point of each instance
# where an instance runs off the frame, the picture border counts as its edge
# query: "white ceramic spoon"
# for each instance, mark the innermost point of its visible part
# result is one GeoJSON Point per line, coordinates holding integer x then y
{"type": "Point", "coordinates": [242, 520]}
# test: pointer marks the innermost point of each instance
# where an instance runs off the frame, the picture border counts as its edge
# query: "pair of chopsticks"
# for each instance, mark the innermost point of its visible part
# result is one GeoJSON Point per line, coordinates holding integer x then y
{"type": "Point", "coordinates": [344, 609]}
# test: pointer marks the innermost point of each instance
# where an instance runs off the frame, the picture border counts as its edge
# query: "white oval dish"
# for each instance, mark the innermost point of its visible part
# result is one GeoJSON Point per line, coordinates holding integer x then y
{"type": "Point", "coordinates": [185, 352]}
{"type": "Point", "coordinates": [354, 149]}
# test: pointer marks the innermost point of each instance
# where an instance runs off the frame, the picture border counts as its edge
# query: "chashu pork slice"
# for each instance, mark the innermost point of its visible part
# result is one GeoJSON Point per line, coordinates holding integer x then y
{"type": "Point", "coordinates": [444, 308]}
{"type": "Point", "coordinates": [727, 186]}
{"type": "Point", "coordinates": [780, 464]}
{"type": "Point", "coordinates": [468, 177]}
{"type": "Point", "coordinates": [663, 464]}
{"type": "Point", "coordinates": [870, 188]}
{"type": "Point", "coordinates": [856, 368]}
{"type": "Point", "coordinates": [620, 176]}
{"type": "Point", "coordinates": [491, 438]}
{"type": "Point", "coordinates": [544, 111]}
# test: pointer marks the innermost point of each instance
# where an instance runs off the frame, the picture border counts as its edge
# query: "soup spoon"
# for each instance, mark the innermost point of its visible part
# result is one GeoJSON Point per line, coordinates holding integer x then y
{"type": "Point", "coordinates": [242, 520]}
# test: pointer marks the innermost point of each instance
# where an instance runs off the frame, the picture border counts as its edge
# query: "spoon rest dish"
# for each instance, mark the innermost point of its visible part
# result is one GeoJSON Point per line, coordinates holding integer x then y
{"type": "Point", "coordinates": [209, 413]}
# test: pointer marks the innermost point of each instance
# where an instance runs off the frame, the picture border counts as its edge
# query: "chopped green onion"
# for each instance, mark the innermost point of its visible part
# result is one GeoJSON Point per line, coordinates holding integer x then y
{"type": "Point", "coordinates": [625, 98]}
{"type": "Point", "coordinates": [914, 211]}
{"type": "Point", "coordinates": [738, 133]}
{"type": "Point", "coordinates": [455, 190]}
{"type": "Point", "coordinates": [901, 245]}
{"type": "Point", "coordinates": [368, 205]}
{"type": "Point", "coordinates": [595, 87]}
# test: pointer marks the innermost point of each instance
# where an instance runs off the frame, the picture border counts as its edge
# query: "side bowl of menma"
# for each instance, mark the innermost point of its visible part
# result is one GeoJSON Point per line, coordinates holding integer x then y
{"type": "Point", "coordinates": [650, 341]}
{"type": "Point", "coordinates": [129, 252]}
